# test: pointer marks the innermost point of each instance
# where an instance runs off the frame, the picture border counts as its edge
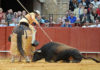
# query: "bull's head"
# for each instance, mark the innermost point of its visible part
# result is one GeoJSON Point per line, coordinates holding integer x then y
{"type": "Point", "coordinates": [37, 55]}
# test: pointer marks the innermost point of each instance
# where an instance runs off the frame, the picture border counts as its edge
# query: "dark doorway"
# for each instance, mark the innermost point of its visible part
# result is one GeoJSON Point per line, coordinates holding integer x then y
{"type": "Point", "coordinates": [13, 4]}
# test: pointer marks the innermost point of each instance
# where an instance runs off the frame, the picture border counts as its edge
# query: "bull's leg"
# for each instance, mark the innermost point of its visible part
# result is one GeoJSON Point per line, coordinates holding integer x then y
{"type": "Point", "coordinates": [19, 59]}
{"type": "Point", "coordinates": [67, 60]}
{"type": "Point", "coordinates": [13, 59]}
{"type": "Point", "coordinates": [27, 59]}
{"type": "Point", "coordinates": [76, 60]}
{"type": "Point", "coordinates": [48, 59]}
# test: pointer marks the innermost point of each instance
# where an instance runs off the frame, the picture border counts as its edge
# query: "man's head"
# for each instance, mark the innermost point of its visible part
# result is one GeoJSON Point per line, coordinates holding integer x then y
{"type": "Point", "coordinates": [37, 13]}
{"type": "Point", "coordinates": [80, 5]}
{"type": "Point", "coordinates": [72, 14]}
{"type": "Point", "coordinates": [90, 5]}
{"type": "Point", "coordinates": [95, 0]}
{"type": "Point", "coordinates": [85, 11]}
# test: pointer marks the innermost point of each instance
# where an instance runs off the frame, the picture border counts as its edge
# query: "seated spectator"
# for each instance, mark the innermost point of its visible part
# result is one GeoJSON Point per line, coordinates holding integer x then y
{"type": "Point", "coordinates": [47, 23]}
{"type": "Point", "coordinates": [93, 15]}
{"type": "Point", "coordinates": [86, 25]}
{"type": "Point", "coordinates": [59, 21]}
{"type": "Point", "coordinates": [19, 15]}
{"type": "Point", "coordinates": [72, 18]}
{"type": "Point", "coordinates": [9, 16]}
{"type": "Point", "coordinates": [87, 3]}
{"type": "Point", "coordinates": [16, 18]}
{"type": "Point", "coordinates": [42, 20]}
{"type": "Point", "coordinates": [66, 24]}
{"type": "Point", "coordinates": [84, 3]}
{"type": "Point", "coordinates": [98, 10]}
{"type": "Point", "coordinates": [78, 11]}
{"type": "Point", "coordinates": [68, 13]}
{"type": "Point", "coordinates": [1, 14]}
{"type": "Point", "coordinates": [77, 23]}
{"type": "Point", "coordinates": [85, 17]}
{"type": "Point", "coordinates": [23, 13]}
{"type": "Point", "coordinates": [90, 9]}
{"type": "Point", "coordinates": [97, 23]}
{"type": "Point", "coordinates": [73, 4]}
{"type": "Point", "coordinates": [95, 3]}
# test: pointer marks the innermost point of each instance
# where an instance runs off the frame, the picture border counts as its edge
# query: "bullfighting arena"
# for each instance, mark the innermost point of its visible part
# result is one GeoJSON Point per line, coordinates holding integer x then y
{"type": "Point", "coordinates": [42, 65]}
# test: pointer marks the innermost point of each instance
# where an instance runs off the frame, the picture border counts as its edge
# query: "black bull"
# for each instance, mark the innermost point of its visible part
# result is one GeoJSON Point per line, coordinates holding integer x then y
{"type": "Point", "coordinates": [54, 51]}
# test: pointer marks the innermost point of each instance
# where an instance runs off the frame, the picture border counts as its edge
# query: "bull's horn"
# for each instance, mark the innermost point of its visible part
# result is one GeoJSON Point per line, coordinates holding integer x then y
{"type": "Point", "coordinates": [39, 51]}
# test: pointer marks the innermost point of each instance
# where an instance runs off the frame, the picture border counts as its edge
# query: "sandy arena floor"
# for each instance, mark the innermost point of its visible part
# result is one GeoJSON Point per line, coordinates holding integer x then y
{"type": "Point", "coordinates": [42, 65]}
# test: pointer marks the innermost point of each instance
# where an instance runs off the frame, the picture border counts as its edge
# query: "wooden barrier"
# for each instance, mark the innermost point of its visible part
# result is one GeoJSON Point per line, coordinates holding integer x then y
{"type": "Point", "coordinates": [84, 39]}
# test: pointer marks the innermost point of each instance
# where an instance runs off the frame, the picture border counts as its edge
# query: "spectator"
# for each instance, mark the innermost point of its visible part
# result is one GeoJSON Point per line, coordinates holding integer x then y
{"type": "Point", "coordinates": [66, 24]}
{"type": "Point", "coordinates": [68, 13]}
{"type": "Point", "coordinates": [73, 5]}
{"type": "Point", "coordinates": [97, 23]}
{"type": "Point", "coordinates": [19, 15]}
{"type": "Point", "coordinates": [85, 17]}
{"type": "Point", "coordinates": [47, 23]}
{"type": "Point", "coordinates": [90, 9]}
{"type": "Point", "coordinates": [84, 3]}
{"type": "Point", "coordinates": [77, 23]}
{"type": "Point", "coordinates": [78, 11]}
{"type": "Point", "coordinates": [98, 10]}
{"type": "Point", "coordinates": [87, 3]}
{"type": "Point", "coordinates": [86, 25]}
{"type": "Point", "coordinates": [95, 3]}
{"type": "Point", "coordinates": [23, 13]}
{"type": "Point", "coordinates": [59, 21]}
{"type": "Point", "coordinates": [42, 21]}
{"type": "Point", "coordinates": [93, 16]}
{"type": "Point", "coordinates": [9, 16]}
{"type": "Point", "coordinates": [1, 14]}
{"type": "Point", "coordinates": [16, 18]}
{"type": "Point", "coordinates": [72, 18]}
{"type": "Point", "coordinates": [3, 21]}
{"type": "Point", "coordinates": [66, 18]}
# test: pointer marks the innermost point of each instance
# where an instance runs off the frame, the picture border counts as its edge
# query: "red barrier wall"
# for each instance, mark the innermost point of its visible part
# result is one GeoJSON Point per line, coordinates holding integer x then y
{"type": "Point", "coordinates": [84, 39]}
{"type": "Point", "coordinates": [2, 40]}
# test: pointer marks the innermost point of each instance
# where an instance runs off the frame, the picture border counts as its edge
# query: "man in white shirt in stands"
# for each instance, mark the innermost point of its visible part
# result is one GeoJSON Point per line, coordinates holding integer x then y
{"type": "Point", "coordinates": [95, 3]}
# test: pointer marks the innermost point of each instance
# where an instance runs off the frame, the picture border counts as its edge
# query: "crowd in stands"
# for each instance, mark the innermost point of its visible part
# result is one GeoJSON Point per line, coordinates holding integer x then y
{"type": "Point", "coordinates": [81, 13]}
{"type": "Point", "coordinates": [10, 18]}
{"type": "Point", "coordinates": [85, 13]}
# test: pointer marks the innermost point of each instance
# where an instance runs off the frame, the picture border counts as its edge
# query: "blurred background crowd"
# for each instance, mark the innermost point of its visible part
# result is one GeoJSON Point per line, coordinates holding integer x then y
{"type": "Point", "coordinates": [81, 13]}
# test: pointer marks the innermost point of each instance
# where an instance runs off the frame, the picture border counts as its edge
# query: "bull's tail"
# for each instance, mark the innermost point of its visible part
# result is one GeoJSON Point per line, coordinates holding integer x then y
{"type": "Point", "coordinates": [19, 41]}
{"type": "Point", "coordinates": [97, 61]}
